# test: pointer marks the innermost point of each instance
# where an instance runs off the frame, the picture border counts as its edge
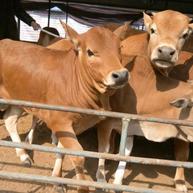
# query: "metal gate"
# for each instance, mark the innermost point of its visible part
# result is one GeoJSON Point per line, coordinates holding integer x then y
{"type": "Point", "coordinates": [73, 182]}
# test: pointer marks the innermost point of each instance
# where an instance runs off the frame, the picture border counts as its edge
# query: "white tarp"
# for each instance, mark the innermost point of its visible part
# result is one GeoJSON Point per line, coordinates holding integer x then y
{"type": "Point", "coordinates": [41, 17]}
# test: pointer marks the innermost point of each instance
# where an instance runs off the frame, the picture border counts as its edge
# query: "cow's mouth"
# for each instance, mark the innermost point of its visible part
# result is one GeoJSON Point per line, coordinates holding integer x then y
{"type": "Point", "coordinates": [117, 86]}
{"type": "Point", "coordinates": [160, 63]}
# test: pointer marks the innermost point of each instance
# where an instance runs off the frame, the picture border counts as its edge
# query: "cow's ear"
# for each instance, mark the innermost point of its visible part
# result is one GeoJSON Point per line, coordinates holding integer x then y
{"type": "Point", "coordinates": [121, 32]}
{"type": "Point", "coordinates": [181, 103]}
{"type": "Point", "coordinates": [191, 23]}
{"type": "Point", "coordinates": [71, 34]}
{"type": "Point", "coordinates": [147, 21]}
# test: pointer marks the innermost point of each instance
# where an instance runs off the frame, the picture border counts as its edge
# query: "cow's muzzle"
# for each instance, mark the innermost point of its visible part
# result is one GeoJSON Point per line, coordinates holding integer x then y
{"type": "Point", "coordinates": [164, 57]}
{"type": "Point", "coordinates": [117, 79]}
{"type": "Point", "coordinates": [166, 52]}
{"type": "Point", "coordinates": [162, 63]}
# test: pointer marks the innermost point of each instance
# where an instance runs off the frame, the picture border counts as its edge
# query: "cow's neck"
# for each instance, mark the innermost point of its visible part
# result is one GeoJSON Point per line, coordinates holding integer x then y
{"type": "Point", "coordinates": [86, 94]}
{"type": "Point", "coordinates": [154, 92]}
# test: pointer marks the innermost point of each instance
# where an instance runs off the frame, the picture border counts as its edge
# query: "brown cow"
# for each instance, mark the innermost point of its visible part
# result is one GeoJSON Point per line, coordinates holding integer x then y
{"type": "Point", "coordinates": [122, 32]}
{"type": "Point", "coordinates": [183, 72]}
{"type": "Point", "coordinates": [56, 44]}
{"type": "Point", "coordinates": [168, 31]}
{"type": "Point", "coordinates": [150, 94]}
{"type": "Point", "coordinates": [83, 77]}
{"type": "Point", "coordinates": [141, 46]}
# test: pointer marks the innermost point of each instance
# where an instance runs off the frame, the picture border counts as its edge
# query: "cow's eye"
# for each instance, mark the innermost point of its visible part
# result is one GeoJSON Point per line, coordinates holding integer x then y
{"type": "Point", "coordinates": [184, 36]}
{"type": "Point", "coordinates": [152, 31]}
{"type": "Point", "coordinates": [90, 53]}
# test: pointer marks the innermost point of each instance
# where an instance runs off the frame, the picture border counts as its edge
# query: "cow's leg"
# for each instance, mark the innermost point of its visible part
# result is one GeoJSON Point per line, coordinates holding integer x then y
{"type": "Point", "coordinates": [10, 117]}
{"type": "Point", "coordinates": [181, 154]}
{"type": "Point", "coordinates": [119, 174]}
{"type": "Point", "coordinates": [57, 171]}
{"type": "Point", "coordinates": [68, 139]}
{"type": "Point", "coordinates": [30, 135]}
{"type": "Point", "coordinates": [54, 139]}
{"type": "Point", "coordinates": [78, 163]}
{"type": "Point", "coordinates": [104, 134]}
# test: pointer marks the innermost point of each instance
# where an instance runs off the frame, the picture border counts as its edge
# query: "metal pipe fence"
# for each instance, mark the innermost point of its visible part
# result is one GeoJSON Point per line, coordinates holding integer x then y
{"type": "Point", "coordinates": [28, 104]}
{"type": "Point", "coordinates": [72, 182]}
{"type": "Point", "coordinates": [91, 154]}
{"type": "Point", "coordinates": [125, 123]}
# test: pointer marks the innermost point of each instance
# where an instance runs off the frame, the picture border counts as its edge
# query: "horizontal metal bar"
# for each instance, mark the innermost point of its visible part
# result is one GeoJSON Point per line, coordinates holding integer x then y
{"type": "Point", "coordinates": [94, 112]}
{"type": "Point", "coordinates": [73, 182]}
{"type": "Point", "coordinates": [49, 33]}
{"type": "Point", "coordinates": [91, 154]}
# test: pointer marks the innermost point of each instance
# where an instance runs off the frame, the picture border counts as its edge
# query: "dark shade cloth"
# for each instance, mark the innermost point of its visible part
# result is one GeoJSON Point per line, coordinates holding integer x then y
{"type": "Point", "coordinates": [8, 26]}
{"type": "Point", "coordinates": [92, 15]}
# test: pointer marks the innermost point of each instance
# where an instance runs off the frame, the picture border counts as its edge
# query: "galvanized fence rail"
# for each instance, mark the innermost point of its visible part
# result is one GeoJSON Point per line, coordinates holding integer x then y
{"type": "Point", "coordinates": [72, 182]}
{"type": "Point", "coordinates": [125, 123]}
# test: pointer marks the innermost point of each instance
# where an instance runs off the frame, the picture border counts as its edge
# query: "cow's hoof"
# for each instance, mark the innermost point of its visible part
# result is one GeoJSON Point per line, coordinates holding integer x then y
{"type": "Point", "coordinates": [181, 186]}
{"type": "Point", "coordinates": [60, 189]}
{"type": "Point", "coordinates": [100, 176]}
{"type": "Point", "coordinates": [27, 162]}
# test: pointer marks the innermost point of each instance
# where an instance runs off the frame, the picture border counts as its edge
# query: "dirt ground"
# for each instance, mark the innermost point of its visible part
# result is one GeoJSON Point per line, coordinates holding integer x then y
{"type": "Point", "coordinates": [155, 177]}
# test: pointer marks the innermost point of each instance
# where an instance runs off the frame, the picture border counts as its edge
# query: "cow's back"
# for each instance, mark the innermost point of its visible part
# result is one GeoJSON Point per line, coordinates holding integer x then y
{"type": "Point", "coordinates": [35, 70]}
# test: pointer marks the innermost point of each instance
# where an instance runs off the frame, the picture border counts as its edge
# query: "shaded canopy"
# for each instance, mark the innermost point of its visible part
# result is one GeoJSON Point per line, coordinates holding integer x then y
{"type": "Point", "coordinates": [96, 12]}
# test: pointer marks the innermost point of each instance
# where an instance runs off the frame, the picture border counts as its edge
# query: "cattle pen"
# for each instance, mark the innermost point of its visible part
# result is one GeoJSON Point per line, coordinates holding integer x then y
{"type": "Point", "coordinates": [72, 182]}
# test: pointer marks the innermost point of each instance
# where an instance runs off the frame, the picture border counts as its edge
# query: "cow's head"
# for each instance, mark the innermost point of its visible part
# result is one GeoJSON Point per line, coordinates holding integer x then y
{"type": "Point", "coordinates": [99, 53]}
{"type": "Point", "coordinates": [168, 31]}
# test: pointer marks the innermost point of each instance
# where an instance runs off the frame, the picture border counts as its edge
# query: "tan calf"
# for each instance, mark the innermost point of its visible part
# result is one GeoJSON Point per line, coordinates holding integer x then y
{"type": "Point", "coordinates": [147, 46]}
{"type": "Point", "coordinates": [83, 77]}
{"type": "Point", "coordinates": [149, 94]}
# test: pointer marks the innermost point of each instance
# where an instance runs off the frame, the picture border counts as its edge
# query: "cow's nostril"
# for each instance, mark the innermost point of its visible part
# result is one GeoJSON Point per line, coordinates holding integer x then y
{"type": "Point", "coordinates": [166, 52]}
{"type": "Point", "coordinates": [114, 75]}
{"type": "Point", "coordinates": [172, 53]}
{"type": "Point", "coordinates": [159, 50]}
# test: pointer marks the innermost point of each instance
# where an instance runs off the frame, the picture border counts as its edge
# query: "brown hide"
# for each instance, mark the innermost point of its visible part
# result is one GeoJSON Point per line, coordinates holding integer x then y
{"type": "Point", "coordinates": [46, 72]}
{"type": "Point", "coordinates": [150, 93]}
{"type": "Point", "coordinates": [80, 77]}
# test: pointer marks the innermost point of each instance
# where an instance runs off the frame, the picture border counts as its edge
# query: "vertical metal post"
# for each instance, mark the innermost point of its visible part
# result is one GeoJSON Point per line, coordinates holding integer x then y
{"type": "Point", "coordinates": [67, 9]}
{"type": "Point", "coordinates": [124, 132]}
{"type": "Point", "coordinates": [49, 12]}
{"type": "Point", "coordinates": [19, 27]}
